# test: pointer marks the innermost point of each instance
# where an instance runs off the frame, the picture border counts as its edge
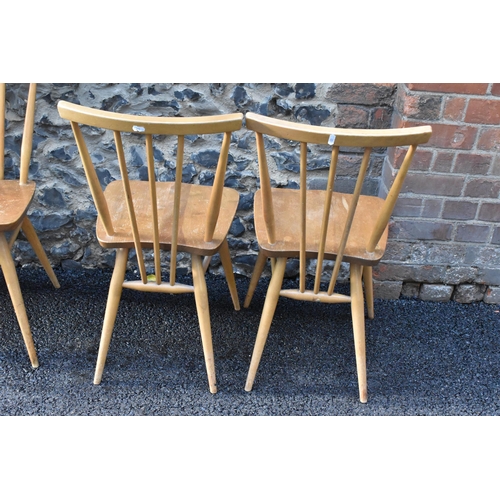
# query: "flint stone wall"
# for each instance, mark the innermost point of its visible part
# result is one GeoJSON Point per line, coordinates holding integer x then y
{"type": "Point", "coordinates": [64, 215]}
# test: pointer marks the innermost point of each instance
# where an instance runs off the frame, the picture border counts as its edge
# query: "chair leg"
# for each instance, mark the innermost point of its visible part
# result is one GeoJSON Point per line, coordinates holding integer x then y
{"type": "Point", "coordinates": [10, 275]}
{"type": "Point", "coordinates": [256, 274]}
{"type": "Point", "coordinates": [32, 237]}
{"type": "Point", "coordinates": [114, 295]}
{"type": "Point", "coordinates": [206, 262]}
{"type": "Point", "coordinates": [201, 299]}
{"type": "Point", "coordinates": [272, 296]}
{"type": "Point", "coordinates": [368, 281]}
{"type": "Point", "coordinates": [358, 325]}
{"type": "Point", "coordinates": [227, 264]}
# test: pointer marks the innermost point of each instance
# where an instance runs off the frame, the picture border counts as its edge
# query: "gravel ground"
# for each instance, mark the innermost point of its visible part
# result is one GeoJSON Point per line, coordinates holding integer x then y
{"type": "Point", "coordinates": [423, 358]}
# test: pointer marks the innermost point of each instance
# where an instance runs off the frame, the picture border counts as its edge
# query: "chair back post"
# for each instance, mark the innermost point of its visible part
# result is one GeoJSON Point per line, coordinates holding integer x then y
{"type": "Point", "coordinates": [265, 186]}
{"type": "Point", "coordinates": [391, 199]}
{"type": "Point", "coordinates": [27, 142]}
{"type": "Point", "coordinates": [216, 196]}
{"type": "Point", "coordinates": [92, 179]}
{"type": "Point", "coordinates": [2, 129]}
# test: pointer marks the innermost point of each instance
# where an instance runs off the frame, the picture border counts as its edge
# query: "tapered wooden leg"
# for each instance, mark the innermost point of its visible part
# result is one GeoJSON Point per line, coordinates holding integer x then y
{"type": "Point", "coordinates": [227, 264]}
{"type": "Point", "coordinates": [201, 298]}
{"type": "Point", "coordinates": [206, 262]}
{"type": "Point", "coordinates": [114, 295]}
{"type": "Point", "coordinates": [32, 237]}
{"type": "Point", "coordinates": [10, 275]}
{"type": "Point", "coordinates": [368, 282]}
{"type": "Point", "coordinates": [260, 263]}
{"type": "Point", "coordinates": [266, 319]}
{"type": "Point", "coordinates": [358, 325]}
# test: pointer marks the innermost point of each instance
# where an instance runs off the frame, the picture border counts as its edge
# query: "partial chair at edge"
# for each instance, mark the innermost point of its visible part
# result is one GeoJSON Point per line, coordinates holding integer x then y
{"type": "Point", "coordinates": [15, 200]}
{"type": "Point", "coordinates": [331, 225]}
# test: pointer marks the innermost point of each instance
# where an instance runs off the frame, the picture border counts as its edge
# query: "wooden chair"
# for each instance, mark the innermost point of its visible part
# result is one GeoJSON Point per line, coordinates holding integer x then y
{"type": "Point", "coordinates": [173, 216]}
{"type": "Point", "coordinates": [15, 199]}
{"type": "Point", "coordinates": [323, 225]}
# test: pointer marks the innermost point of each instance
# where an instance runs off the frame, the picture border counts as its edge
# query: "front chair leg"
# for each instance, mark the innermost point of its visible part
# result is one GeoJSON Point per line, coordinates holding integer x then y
{"type": "Point", "coordinates": [358, 325]}
{"type": "Point", "coordinates": [272, 296]}
{"type": "Point", "coordinates": [10, 275]}
{"type": "Point", "coordinates": [201, 299]}
{"type": "Point", "coordinates": [114, 296]}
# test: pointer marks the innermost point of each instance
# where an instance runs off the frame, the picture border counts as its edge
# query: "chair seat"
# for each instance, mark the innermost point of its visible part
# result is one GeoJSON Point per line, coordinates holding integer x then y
{"type": "Point", "coordinates": [192, 219]}
{"type": "Point", "coordinates": [15, 200]}
{"type": "Point", "coordinates": [288, 225]}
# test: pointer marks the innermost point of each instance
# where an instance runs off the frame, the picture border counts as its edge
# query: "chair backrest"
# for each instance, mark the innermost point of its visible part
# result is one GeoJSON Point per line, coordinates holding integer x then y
{"type": "Point", "coordinates": [151, 127]}
{"type": "Point", "coordinates": [27, 141]}
{"type": "Point", "coordinates": [337, 138]}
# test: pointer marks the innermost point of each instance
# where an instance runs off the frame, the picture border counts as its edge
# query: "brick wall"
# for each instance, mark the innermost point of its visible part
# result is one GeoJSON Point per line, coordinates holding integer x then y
{"type": "Point", "coordinates": [445, 234]}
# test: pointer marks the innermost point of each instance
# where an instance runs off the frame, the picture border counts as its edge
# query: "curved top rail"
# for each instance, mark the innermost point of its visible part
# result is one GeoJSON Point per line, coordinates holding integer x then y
{"type": "Point", "coordinates": [149, 124]}
{"type": "Point", "coordinates": [316, 134]}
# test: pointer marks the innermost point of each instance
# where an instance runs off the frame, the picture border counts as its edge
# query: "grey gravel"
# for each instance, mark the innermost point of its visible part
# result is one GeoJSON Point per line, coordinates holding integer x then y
{"type": "Point", "coordinates": [423, 358]}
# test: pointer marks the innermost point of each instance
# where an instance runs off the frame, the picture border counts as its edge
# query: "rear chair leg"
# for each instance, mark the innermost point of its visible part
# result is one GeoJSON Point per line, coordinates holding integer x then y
{"type": "Point", "coordinates": [10, 275]}
{"type": "Point", "coordinates": [368, 281]}
{"type": "Point", "coordinates": [32, 237]}
{"type": "Point", "coordinates": [227, 264]}
{"type": "Point", "coordinates": [256, 274]}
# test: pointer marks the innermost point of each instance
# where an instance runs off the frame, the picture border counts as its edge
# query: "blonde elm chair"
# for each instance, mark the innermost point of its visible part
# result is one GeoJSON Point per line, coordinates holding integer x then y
{"type": "Point", "coordinates": [16, 196]}
{"type": "Point", "coordinates": [159, 215]}
{"type": "Point", "coordinates": [325, 225]}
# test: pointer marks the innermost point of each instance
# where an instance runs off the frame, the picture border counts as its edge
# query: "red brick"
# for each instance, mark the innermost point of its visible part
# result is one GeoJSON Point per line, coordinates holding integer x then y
{"type": "Point", "coordinates": [443, 162]}
{"type": "Point", "coordinates": [485, 111]}
{"type": "Point", "coordinates": [352, 116]}
{"type": "Point", "coordinates": [459, 210]}
{"type": "Point", "coordinates": [362, 93]}
{"type": "Point", "coordinates": [472, 233]}
{"type": "Point", "coordinates": [489, 212]}
{"type": "Point", "coordinates": [432, 208]}
{"type": "Point", "coordinates": [482, 188]}
{"type": "Point", "coordinates": [420, 106]}
{"type": "Point", "coordinates": [421, 230]}
{"type": "Point", "coordinates": [421, 159]}
{"type": "Point", "coordinates": [407, 207]}
{"type": "Point", "coordinates": [495, 89]}
{"type": "Point", "coordinates": [489, 139]}
{"type": "Point", "coordinates": [470, 163]}
{"type": "Point", "coordinates": [439, 185]}
{"type": "Point", "coordinates": [454, 108]}
{"type": "Point", "coordinates": [381, 118]}
{"type": "Point", "coordinates": [449, 136]}
{"type": "Point", "coordinates": [451, 88]}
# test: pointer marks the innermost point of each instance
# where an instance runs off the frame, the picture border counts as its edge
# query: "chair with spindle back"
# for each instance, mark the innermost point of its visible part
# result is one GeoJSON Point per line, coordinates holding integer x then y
{"type": "Point", "coordinates": [160, 215]}
{"type": "Point", "coordinates": [15, 199]}
{"type": "Point", "coordinates": [331, 226]}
